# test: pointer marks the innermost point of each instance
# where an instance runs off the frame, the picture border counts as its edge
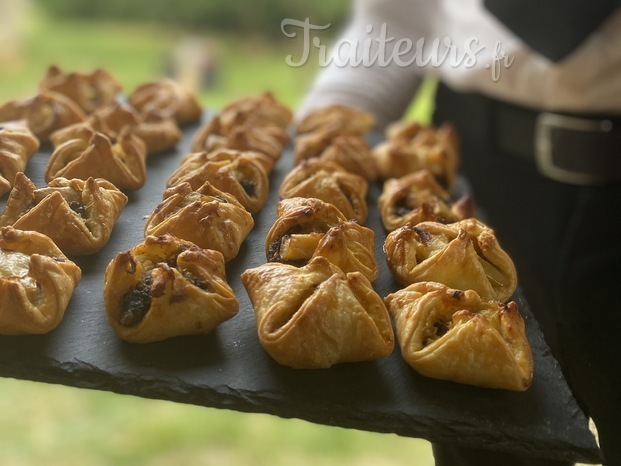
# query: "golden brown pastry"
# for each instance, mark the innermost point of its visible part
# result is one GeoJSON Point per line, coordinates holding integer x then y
{"type": "Point", "coordinates": [77, 215]}
{"type": "Point", "coordinates": [330, 183]}
{"type": "Point", "coordinates": [307, 228]}
{"type": "Point", "coordinates": [44, 113]}
{"type": "Point", "coordinates": [207, 217]}
{"type": "Point", "coordinates": [411, 147]}
{"type": "Point", "coordinates": [167, 287]}
{"type": "Point", "coordinates": [418, 197]}
{"type": "Point", "coordinates": [300, 225]}
{"type": "Point", "coordinates": [244, 137]}
{"type": "Point", "coordinates": [89, 91]}
{"type": "Point", "coordinates": [317, 316]}
{"type": "Point", "coordinates": [337, 117]}
{"type": "Point", "coordinates": [350, 151]}
{"type": "Point", "coordinates": [158, 133]}
{"type": "Point", "coordinates": [351, 247]}
{"type": "Point", "coordinates": [36, 282]}
{"type": "Point", "coordinates": [123, 162]}
{"type": "Point", "coordinates": [456, 335]}
{"type": "Point", "coordinates": [463, 255]}
{"type": "Point", "coordinates": [168, 99]}
{"type": "Point", "coordinates": [17, 146]}
{"type": "Point", "coordinates": [263, 110]}
{"type": "Point", "coordinates": [236, 173]}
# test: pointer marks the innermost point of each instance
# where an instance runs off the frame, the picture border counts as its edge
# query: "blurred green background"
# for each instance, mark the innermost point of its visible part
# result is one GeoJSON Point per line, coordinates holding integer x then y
{"type": "Point", "coordinates": [225, 49]}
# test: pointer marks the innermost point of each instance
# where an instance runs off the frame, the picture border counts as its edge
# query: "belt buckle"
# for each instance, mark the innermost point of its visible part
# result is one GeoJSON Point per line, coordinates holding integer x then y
{"type": "Point", "coordinates": [545, 123]}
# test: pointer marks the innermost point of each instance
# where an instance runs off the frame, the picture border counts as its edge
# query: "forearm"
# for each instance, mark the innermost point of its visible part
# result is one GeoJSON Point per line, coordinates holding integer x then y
{"type": "Point", "coordinates": [382, 85]}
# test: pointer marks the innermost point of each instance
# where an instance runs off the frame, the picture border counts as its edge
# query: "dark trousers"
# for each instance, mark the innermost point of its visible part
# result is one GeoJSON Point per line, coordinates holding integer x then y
{"type": "Point", "coordinates": [566, 243]}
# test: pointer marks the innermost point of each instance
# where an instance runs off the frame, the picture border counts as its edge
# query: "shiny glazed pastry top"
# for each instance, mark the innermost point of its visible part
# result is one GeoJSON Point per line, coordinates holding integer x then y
{"type": "Point", "coordinates": [36, 282]}
{"type": "Point", "coordinates": [17, 146]}
{"type": "Point", "coordinates": [157, 132]}
{"type": "Point", "coordinates": [166, 287]}
{"type": "Point", "coordinates": [93, 154]}
{"type": "Point", "coordinates": [307, 228]}
{"type": "Point", "coordinates": [317, 316]}
{"type": "Point", "coordinates": [44, 113]}
{"type": "Point", "coordinates": [207, 217]}
{"type": "Point", "coordinates": [417, 198]}
{"type": "Point", "coordinates": [456, 335]}
{"type": "Point", "coordinates": [463, 255]}
{"type": "Point", "coordinates": [330, 183]}
{"type": "Point", "coordinates": [234, 172]}
{"type": "Point", "coordinates": [78, 215]}
{"type": "Point", "coordinates": [410, 147]}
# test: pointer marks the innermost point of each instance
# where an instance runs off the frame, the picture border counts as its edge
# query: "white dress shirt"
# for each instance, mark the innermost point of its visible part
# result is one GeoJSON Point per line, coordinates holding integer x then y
{"type": "Point", "coordinates": [587, 80]}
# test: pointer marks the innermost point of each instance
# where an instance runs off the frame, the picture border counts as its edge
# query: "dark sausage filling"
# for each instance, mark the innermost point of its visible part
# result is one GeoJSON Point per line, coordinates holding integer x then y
{"type": "Point", "coordinates": [249, 186]}
{"type": "Point", "coordinates": [202, 284]}
{"type": "Point", "coordinates": [78, 208]}
{"type": "Point", "coordinates": [401, 208]}
{"type": "Point", "coordinates": [136, 302]}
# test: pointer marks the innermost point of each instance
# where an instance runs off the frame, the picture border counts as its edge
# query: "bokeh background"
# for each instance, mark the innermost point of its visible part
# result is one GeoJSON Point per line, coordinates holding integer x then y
{"type": "Point", "coordinates": [224, 49]}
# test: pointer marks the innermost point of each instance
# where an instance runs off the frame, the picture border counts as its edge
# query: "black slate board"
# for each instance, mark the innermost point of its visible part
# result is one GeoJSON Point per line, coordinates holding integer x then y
{"type": "Point", "coordinates": [229, 369]}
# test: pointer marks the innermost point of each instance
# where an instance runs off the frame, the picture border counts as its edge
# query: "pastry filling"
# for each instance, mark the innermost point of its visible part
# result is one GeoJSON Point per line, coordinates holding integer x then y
{"type": "Point", "coordinates": [196, 281]}
{"type": "Point", "coordinates": [136, 302]}
{"type": "Point", "coordinates": [78, 208]}
{"type": "Point", "coordinates": [437, 331]}
{"type": "Point", "coordinates": [249, 186]}
{"type": "Point", "coordinates": [402, 208]}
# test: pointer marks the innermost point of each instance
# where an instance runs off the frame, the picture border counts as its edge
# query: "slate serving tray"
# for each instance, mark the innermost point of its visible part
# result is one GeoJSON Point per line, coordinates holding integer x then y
{"type": "Point", "coordinates": [229, 369]}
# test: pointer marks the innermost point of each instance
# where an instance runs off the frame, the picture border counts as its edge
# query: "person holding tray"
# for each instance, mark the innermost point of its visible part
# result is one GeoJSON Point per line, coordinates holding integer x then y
{"type": "Point", "coordinates": [534, 93]}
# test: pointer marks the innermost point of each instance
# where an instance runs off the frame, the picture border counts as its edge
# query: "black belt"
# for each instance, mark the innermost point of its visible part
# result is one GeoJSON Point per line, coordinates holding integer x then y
{"type": "Point", "coordinates": [575, 149]}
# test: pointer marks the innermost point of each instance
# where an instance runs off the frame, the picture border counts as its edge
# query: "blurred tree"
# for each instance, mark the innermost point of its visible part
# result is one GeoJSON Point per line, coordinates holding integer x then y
{"type": "Point", "coordinates": [257, 17]}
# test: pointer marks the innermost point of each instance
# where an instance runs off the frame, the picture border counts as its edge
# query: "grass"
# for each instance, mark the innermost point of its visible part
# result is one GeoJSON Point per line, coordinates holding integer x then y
{"type": "Point", "coordinates": [54, 425]}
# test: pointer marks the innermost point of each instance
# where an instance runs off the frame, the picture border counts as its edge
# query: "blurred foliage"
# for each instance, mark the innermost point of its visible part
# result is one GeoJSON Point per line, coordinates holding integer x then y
{"type": "Point", "coordinates": [256, 17]}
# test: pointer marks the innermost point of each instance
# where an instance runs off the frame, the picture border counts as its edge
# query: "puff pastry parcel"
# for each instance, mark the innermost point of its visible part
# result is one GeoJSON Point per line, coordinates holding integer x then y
{"type": "Point", "coordinates": [418, 197]}
{"type": "Point", "coordinates": [166, 287]}
{"type": "Point", "coordinates": [167, 98]}
{"type": "Point", "coordinates": [456, 335]}
{"type": "Point", "coordinates": [44, 113]}
{"type": "Point", "coordinates": [263, 110]}
{"type": "Point", "coordinates": [236, 173]}
{"type": "Point", "coordinates": [463, 255]}
{"type": "Point", "coordinates": [122, 162]}
{"type": "Point", "coordinates": [330, 183]}
{"type": "Point", "coordinates": [157, 132]}
{"type": "Point", "coordinates": [350, 151]}
{"type": "Point", "coordinates": [317, 316]}
{"type": "Point", "coordinates": [36, 282]}
{"type": "Point", "coordinates": [207, 217]}
{"type": "Point", "coordinates": [78, 215]}
{"type": "Point", "coordinates": [411, 147]}
{"type": "Point", "coordinates": [307, 228]}
{"type": "Point", "coordinates": [337, 117]}
{"type": "Point", "coordinates": [243, 137]}
{"type": "Point", "coordinates": [17, 146]}
{"type": "Point", "coordinates": [89, 91]}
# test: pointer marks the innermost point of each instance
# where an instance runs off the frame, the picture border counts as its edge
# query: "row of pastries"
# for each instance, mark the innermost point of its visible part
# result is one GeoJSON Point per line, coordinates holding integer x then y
{"type": "Point", "coordinates": [452, 316]}
{"type": "Point", "coordinates": [313, 299]}
{"type": "Point", "coordinates": [174, 283]}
